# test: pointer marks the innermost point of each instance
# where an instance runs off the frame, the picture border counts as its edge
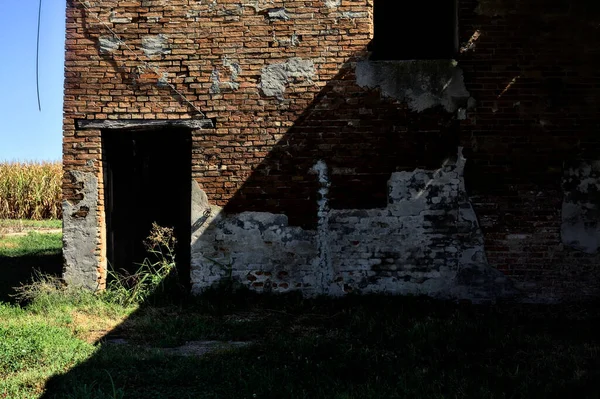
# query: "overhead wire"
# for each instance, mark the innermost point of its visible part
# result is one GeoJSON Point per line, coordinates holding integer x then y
{"type": "Point", "coordinates": [37, 57]}
{"type": "Point", "coordinates": [146, 64]}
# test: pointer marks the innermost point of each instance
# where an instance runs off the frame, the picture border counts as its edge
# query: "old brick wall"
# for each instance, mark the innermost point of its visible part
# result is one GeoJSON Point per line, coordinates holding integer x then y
{"type": "Point", "coordinates": [289, 85]}
{"type": "Point", "coordinates": [534, 75]}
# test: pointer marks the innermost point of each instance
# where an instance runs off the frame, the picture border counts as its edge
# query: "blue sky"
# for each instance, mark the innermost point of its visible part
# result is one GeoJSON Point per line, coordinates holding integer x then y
{"type": "Point", "coordinates": [26, 133]}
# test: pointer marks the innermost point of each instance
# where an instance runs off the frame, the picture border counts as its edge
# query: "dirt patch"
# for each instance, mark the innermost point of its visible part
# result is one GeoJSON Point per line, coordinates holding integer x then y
{"type": "Point", "coordinates": [92, 328]}
{"type": "Point", "coordinates": [7, 244]}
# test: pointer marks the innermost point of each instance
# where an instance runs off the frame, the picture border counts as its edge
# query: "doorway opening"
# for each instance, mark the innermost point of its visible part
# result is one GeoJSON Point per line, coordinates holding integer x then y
{"type": "Point", "coordinates": [147, 178]}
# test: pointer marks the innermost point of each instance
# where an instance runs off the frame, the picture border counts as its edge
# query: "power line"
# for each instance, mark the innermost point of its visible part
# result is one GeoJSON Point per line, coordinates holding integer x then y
{"type": "Point", "coordinates": [37, 57]}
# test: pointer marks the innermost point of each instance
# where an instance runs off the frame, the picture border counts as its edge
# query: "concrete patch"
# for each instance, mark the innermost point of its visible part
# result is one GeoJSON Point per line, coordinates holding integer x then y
{"type": "Point", "coordinates": [580, 228]}
{"type": "Point", "coordinates": [80, 234]}
{"type": "Point", "coordinates": [232, 84]}
{"type": "Point", "coordinates": [155, 45]}
{"type": "Point", "coordinates": [108, 44]}
{"type": "Point", "coordinates": [421, 84]}
{"type": "Point", "coordinates": [497, 8]}
{"type": "Point", "coordinates": [277, 14]}
{"type": "Point", "coordinates": [115, 19]}
{"type": "Point", "coordinates": [275, 78]}
{"type": "Point", "coordinates": [427, 241]}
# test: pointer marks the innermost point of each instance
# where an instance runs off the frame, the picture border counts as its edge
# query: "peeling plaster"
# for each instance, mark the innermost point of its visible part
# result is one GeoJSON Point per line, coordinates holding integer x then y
{"type": "Point", "coordinates": [354, 14]}
{"type": "Point", "coordinates": [219, 86]}
{"type": "Point", "coordinates": [275, 78]}
{"type": "Point", "coordinates": [108, 44]}
{"type": "Point", "coordinates": [324, 268]}
{"type": "Point", "coordinates": [425, 241]}
{"type": "Point", "coordinates": [80, 234]}
{"type": "Point", "coordinates": [155, 45]}
{"type": "Point", "coordinates": [580, 228]}
{"type": "Point", "coordinates": [292, 41]}
{"type": "Point", "coordinates": [277, 14]}
{"type": "Point", "coordinates": [333, 3]}
{"type": "Point", "coordinates": [421, 84]}
{"type": "Point", "coordinates": [115, 19]}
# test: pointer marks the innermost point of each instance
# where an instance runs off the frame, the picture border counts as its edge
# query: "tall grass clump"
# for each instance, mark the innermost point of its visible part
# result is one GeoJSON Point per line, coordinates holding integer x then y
{"type": "Point", "coordinates": [30, 190]}
{"type": "Point", "coordinates": [155, 277]}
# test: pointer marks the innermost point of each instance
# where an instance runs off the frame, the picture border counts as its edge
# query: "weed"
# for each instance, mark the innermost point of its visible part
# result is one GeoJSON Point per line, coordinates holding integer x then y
{"type": "Point", "coordinates": [156, 274]}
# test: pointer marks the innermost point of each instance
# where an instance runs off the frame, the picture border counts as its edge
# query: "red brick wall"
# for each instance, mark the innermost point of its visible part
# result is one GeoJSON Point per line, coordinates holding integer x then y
{"type": "Point", "coordinates": [516, 139]}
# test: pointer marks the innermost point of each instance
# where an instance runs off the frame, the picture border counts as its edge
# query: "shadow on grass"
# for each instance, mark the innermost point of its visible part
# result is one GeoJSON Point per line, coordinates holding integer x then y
{"type": "Point", "coordinates": [354, 347]}
{"type": "Point", "coordinates": [19, 265]}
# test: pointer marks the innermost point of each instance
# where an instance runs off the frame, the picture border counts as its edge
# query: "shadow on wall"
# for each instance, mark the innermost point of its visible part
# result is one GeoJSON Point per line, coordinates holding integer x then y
{"type": "Point", "coordinates": [361, 137]}
{"type": "Point", "coordinates": [364, 193]}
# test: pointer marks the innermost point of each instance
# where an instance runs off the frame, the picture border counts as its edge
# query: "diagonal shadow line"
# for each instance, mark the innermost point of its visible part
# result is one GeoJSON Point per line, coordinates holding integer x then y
{"type": "Point", "coordinates": [354, 131]}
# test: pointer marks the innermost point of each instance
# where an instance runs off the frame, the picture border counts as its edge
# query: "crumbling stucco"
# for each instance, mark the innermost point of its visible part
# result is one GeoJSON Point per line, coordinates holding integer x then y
{"type": "Point", "coordinates": [324, 267]}
{"type": "Point", "coordinates": [580, 228]}
{"type": "Point", "coordinates": [115, 19]}
{"type": "Point", "coordinates": [219, 86]}
{"type": "Point", "coordinates": [80, 234]}
{"type": "Point", "coordinates": [354, 14]}
{"type": "Point", "coordinates": [292, 41]}
{"type": "Point", "coordinates": [277, 14]}
{"type": "Point", "coordinates": [108, 44]}
{"type": "Point", "coordinates": [426, 241]}
{"type": "Point", "coordinates": [275, 78]}
{"type": "Point", "coordinates": [155, 45]}
{"type": "Point", "coordinates": [422, 84]}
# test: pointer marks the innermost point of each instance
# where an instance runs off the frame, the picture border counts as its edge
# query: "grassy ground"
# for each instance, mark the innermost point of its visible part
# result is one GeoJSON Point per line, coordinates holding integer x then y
{"type": "Point", "coordinates": [21, 255]}
{"type": "Point", "coordinates": [372, 347]}
{"type": "Point", "coordinates": [21, 225]}
{"type": "Point", "coordinates": [356, 347]}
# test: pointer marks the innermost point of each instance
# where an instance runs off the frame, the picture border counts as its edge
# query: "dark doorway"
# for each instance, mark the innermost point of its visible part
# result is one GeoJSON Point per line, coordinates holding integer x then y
{"type": "Point", "coordinates": [147, 179]}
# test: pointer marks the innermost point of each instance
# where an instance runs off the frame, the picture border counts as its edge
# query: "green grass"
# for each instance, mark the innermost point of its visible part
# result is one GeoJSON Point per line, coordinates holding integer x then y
{"type": "Point", "coordinates": [32, 350]}
{"type": "Point", "coordinates": [49, 337]}
{"type": "Point", "coordinates": [21, 255]}
{"type": "Point", "coordinates": [353, 347]}
{"type": "Point", "coordinates": [357, 347]}
{"type": "Point", "coordinates": [30, 224]}
{"type": "Point", "coordinates": [32, 244]}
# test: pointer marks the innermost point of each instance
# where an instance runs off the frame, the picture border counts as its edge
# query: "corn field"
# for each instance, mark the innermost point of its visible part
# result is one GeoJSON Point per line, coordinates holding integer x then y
{"type": "Point", "coordinates": [30, 190]}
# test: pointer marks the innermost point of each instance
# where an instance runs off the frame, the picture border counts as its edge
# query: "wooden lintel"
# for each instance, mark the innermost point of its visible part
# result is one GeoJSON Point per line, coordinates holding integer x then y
{"type": "Point", "coordinates": [143, 124]}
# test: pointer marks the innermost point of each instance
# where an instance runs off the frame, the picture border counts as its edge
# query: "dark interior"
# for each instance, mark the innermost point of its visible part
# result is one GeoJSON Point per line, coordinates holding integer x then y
{"type": "Point", "coordinates": [405, 30]}
{"type": "Point", "coordinates": [147, 179]}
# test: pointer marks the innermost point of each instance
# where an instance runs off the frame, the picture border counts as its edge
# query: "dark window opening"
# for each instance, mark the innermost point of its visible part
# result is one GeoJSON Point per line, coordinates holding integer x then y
{"type": "Point", "coordinates": [406, 30]}
{"type": "Point", "coordinates": [147, 178]}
